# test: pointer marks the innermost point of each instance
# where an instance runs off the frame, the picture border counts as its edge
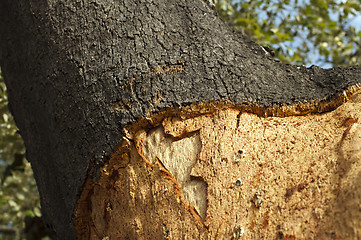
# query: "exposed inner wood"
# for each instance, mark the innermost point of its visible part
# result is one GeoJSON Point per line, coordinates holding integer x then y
{"type": "Point", "coordinates": [296, 177]}
{"type": "Point", "coordinates": [177, 157]}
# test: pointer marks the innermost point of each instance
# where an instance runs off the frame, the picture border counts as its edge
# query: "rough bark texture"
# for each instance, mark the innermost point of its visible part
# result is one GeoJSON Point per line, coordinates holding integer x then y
{"type": "Point", "coordinates": [84, 76]}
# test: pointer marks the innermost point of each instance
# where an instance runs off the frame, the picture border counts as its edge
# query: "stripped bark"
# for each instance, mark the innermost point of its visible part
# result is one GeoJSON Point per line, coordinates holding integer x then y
{"type": "Point", "coordinates": [85, 78]}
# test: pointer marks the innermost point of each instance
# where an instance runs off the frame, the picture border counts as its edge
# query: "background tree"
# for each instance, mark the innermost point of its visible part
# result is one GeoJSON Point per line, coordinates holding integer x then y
{"type": "Point", "coordinates": [301, 32]}
{"type": "Point", "coordinates": [19, 197]}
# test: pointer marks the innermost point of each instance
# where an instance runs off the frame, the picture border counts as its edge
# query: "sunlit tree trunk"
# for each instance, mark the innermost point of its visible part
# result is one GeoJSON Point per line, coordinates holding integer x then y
{"type": "Point", "coordinates": [153, 120]}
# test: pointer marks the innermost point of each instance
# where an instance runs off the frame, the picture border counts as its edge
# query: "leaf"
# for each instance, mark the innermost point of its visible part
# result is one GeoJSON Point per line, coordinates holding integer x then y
{"type": "Point", "coordinates": [37, 212]}
{"type": "Point", "coordinates": [6, 117]}
{"type": "Point", "coordinates": [20, 196]}
{"type": "Point", "coordinates": [13, 204]}
{"type": "Point", "coordinates": [29, 213]}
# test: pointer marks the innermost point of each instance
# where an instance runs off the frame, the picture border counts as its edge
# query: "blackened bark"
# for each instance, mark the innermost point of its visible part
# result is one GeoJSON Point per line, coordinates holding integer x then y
{"type": "Point", "coordinates": [77, 73]}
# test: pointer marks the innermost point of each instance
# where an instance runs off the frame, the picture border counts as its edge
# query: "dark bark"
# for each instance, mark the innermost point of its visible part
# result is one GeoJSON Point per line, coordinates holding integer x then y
{"type": "Point", "coordinates": [77, 73]}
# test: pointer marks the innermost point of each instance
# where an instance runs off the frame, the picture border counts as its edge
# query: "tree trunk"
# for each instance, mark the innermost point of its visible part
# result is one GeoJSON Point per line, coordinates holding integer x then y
{"type": "Point", "coordinates": [154, 120]}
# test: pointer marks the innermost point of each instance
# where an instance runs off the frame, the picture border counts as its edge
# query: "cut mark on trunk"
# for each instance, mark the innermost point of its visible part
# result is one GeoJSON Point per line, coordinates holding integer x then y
{"type": "Point", "coordinates": [178, 157]}
{"type": "Point", "coordinates": [169, 68]}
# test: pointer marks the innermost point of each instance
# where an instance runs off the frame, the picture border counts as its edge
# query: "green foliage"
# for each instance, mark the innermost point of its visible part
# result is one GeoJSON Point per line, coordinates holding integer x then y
{"type": "Point", "coordinates": [299, 30]}
{"type": "Point", "coordinates": [19, 196]}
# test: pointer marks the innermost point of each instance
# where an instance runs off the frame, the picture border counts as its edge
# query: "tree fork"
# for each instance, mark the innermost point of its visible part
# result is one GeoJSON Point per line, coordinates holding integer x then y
{"type": "Point", "coordinates": [155, 119]}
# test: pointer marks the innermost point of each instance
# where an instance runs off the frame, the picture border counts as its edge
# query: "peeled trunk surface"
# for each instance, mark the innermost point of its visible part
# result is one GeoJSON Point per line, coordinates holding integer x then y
{"type": "Point", "coordinates": [85, 77]}
{"type": "Point", "coordinates": [232, 175]}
